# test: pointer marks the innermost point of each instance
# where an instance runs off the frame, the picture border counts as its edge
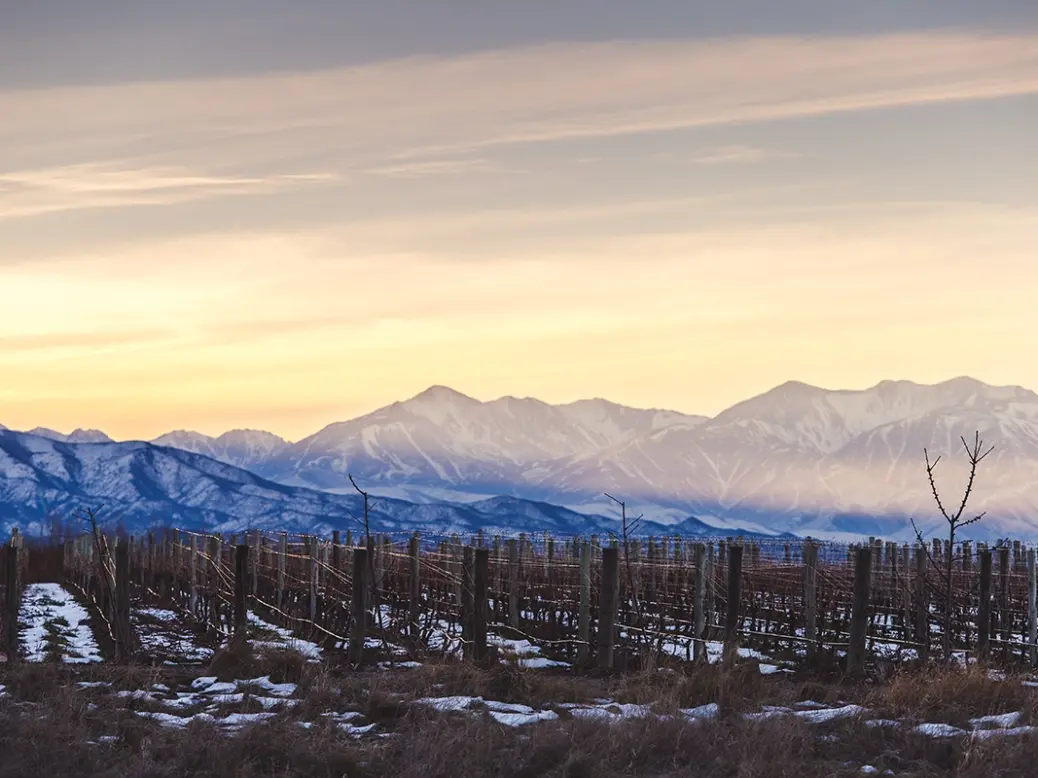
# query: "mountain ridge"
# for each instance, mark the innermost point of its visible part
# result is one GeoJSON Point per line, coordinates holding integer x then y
{"type": "Point", "coordinates": [794, 457]}
{"type": "Point", "coordinates": [142, 486]}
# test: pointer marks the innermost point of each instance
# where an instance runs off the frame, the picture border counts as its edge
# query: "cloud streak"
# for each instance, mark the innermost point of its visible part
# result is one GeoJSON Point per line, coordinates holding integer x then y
{"type": "Point", "coordinates": [726, 155]}
{"type": "Point", "coordinates": [90, 185]}
{"type": "Point", "coordinates": [429, 106]}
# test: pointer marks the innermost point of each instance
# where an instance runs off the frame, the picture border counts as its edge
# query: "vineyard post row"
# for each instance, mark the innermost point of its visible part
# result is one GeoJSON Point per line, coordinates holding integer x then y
{"type": "Point", "coordinates": [14, 560]}
{"type": "Point", "coordinates": [860, 597]}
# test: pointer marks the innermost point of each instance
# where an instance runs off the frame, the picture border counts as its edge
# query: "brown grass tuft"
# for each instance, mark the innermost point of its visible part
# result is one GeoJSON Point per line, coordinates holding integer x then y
{"type": "Point", "coordinates": [950, 694]}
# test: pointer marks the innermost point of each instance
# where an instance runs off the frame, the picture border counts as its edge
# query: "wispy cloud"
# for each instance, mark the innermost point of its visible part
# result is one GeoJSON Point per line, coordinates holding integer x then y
{"type": "Point", "coordinates": [81, 341]}
{"type": "Point", "coordinates": [425, 168]}
{"type": "Point", "coordinates": [727, 155]}
{"type": "Point", "coordinates": [92, 185]}
{"type": "Point", "coordinates": [429, 106]}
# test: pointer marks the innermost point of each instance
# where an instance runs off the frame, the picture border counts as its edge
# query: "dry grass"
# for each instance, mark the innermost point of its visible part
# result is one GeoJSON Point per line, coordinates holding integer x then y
{"type": "Point", "coordinates": [952, 695]}
{"type": "Point", "coordinates": [72, 732]}
{"type": "Point", "coordinates": [241, 660]}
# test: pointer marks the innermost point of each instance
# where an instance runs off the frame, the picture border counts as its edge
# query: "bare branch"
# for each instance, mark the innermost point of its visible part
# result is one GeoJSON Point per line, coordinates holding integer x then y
{"type": "Point", "coordinates": [974, 459]}
{"type": "Point", "coordinates": [974, 520]}
{"type": "Point", "coordinates": [923, 543]}
{"type": "Point", "coordinates": [359, 490]}
{"type": "Point", "coordinates": [933, 486]}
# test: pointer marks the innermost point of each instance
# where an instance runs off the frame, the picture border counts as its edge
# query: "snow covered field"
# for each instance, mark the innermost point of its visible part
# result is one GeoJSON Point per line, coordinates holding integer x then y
{"type": "Point", "coordinates": [55, 627]}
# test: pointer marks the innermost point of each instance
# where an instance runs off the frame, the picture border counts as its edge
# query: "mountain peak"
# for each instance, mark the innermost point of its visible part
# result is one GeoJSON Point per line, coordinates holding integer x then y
{"type": "Point", "coordinates": [245, 435]}
{"type": "Point", "coordinates": [88, 436]}
{"type": "Point", "coordinates": [46, 432]}
{"type": "Point", "coordinates": [796, 387]}
{"type": "Point", "coordinates": [440, 393]}
{"type": "Point", "coordinates": [963, 380]}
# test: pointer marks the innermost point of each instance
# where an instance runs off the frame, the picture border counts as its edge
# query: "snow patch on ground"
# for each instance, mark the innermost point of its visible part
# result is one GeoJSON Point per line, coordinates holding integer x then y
{"type": "Point", "coordinates": [56, 626]}
{"type": "Point", "coordinates": [282, 639]}
{"type": "Point", "coordinates": [939, 730]}
{"type": "Point", "coordinates": [164, 635]}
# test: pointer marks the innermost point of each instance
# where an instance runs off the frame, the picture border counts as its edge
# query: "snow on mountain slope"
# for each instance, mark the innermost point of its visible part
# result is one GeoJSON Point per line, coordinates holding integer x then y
{"type": "Point", "coordinates": [76, 436]}
{"type": "Point", "coordinates": [797, 457]}
{"type": "Point", "coordinates": [802, 456]}
{"type": "Point", "coordinates": [244, 448]}
{"type": "Point", "coordinates": [442, 438]}
{"type": "Point", "coordinates": [88, 436]}
{"type": "Point", "coordinates": [144, 485]}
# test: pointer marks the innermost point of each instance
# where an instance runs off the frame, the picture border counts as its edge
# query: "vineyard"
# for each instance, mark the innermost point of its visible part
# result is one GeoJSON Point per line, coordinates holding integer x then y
{"type": "Point", "coordinates": [569, 601]}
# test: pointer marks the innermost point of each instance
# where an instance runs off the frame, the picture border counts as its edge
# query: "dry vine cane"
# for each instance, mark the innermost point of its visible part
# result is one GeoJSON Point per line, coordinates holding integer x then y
{"type": "Point", "coordinates": [955, 522]}
{"type": "Point", "coordinates": [107, 569]}
{"type": "Point", "coordinates": [627, 529]}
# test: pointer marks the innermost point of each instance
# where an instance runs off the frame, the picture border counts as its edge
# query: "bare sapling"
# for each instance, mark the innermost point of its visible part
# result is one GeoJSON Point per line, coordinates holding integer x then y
{"type": "Point", "coordinates": [974, 454]}
{"type": "Point", "coordinates": [369, 544]}
{"type": "Point", "coordinates": [627, 530]}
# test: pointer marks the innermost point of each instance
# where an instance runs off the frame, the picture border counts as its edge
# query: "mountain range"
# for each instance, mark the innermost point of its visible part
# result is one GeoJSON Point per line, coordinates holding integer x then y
{"type": "Point", "coordinates": [797, 458]}
{"type": "Point", "coordinates": [46, 482]}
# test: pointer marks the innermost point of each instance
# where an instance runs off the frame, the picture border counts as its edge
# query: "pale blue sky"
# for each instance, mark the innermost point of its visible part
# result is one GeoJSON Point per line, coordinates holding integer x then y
{"type": "Point", "coordinates": [277, 214]}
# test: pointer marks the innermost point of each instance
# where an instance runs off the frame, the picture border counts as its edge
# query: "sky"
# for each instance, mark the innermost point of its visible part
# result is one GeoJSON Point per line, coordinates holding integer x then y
{"type": "Point", "coordinates": [249, 213]}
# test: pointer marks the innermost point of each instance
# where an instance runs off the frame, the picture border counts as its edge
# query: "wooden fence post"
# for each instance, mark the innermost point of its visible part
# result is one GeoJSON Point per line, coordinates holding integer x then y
{"type": "Point", "coordinates": [584, 614]}
{"type": "Point", "coordinates": [1032, 607]}
{"type": "Point", "coordinates": [11, 604]}
{"type": "Point", "coordinates": [455, 568]}
{"type": "Point", "coordinates": [215, 554]}
{"type": "Point", "coordinates": [282, 563]}
{"type": "Point", "coordinates": [468, 564]}
{"type": "Point", "coordinates": [192, 567]}
{"type": "Point", "coordinates": [906, 593]}
{"type": "Point", "coordinates": [359, 610]}
{"type": "Point", "coordinates": [731, 617]}
{"type": "Point", "coordinates": [123, 629]}
{"type": "Point", "coordinates": [984, 611]}
{"type": "Point", "coordinates": [479, 595]}
{"type": "Point", "coordinates": [255, 560]}
{"type": "Point", "coordinates": [175, 555]}
{"type": "Point", "coordinates": [1004, 616]}
{"type": "Point", "coordinates": [513, 583]}
{"type": "Point", "coordinates": [922, 607]}
{"type": "Point", "coordinates": [699, 605]}
{"type": "Point", "coordinates": [499, 592]}
{"type": "Point", "coordinates": [860, 611]}
{"type": "Point", "coordinates": [607, 606]}
{"type": "Point", "coordinates": [414, 586]}
{"type": "Point", "coordinates": [312, 552]}
{"type": "Point", "coordinates": [150, 569]}
{"type": "Point", "coordinates": [711, 588]}
{"type": "Point", "coordinates": [810, 557]}
{"type": "Point", "coordinates": [241, 570]}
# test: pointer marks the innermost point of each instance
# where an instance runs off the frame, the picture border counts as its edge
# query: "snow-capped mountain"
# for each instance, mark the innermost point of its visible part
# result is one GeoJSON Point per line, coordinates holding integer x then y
{"type": "Point", "coordinates": [76, 436]}
{"type": "Point", "coordinates": [446, 440]}
{"type": "Point", "coordinates": [821, 461]}
{"type": "Point", "coordinates": [797, 457]}
{"type": "Point", "coordinates": [142, 485]}
{"type": "Point", "coordinates": [245, 448]}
